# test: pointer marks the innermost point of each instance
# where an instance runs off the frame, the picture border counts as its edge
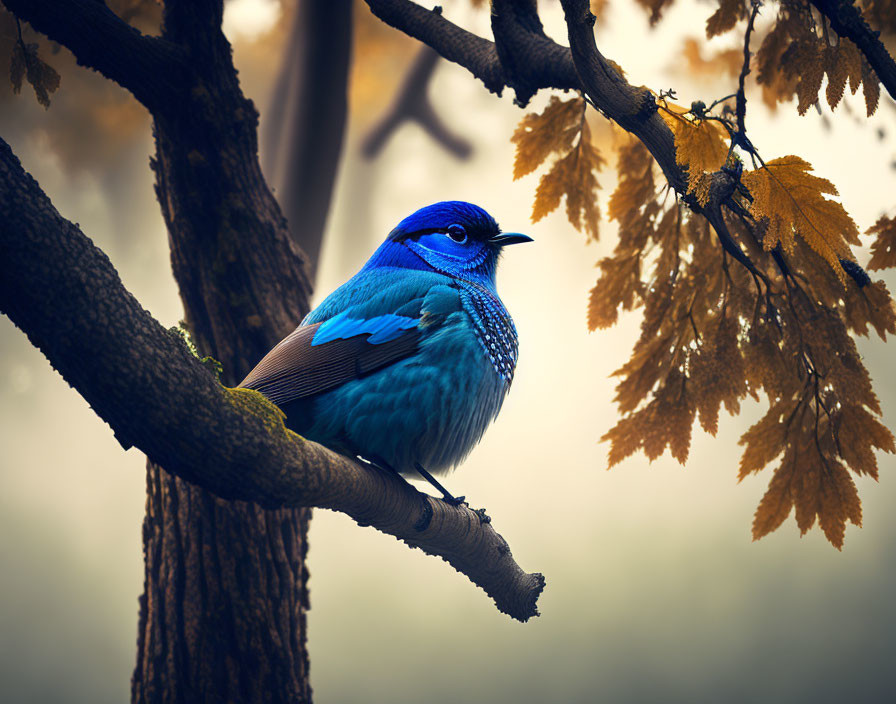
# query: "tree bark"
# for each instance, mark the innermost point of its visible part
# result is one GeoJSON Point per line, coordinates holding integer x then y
{"type": "Point", "coordinates": [222, 617]}
{"type": "Point", "coordinates": [223, 613]}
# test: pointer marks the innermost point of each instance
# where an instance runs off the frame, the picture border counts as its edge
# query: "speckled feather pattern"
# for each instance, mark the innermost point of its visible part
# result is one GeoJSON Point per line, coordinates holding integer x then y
{"type": "Point", "coordinates": [429, 405]}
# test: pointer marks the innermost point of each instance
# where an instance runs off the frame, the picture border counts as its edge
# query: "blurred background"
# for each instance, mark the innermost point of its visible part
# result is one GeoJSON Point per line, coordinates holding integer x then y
{"type": "Point", "coordinates": [655, 592]}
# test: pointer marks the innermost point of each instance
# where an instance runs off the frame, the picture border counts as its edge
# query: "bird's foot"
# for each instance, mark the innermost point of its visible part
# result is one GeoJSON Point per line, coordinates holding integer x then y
{"type": "Point", "coordinates": [447, 497]}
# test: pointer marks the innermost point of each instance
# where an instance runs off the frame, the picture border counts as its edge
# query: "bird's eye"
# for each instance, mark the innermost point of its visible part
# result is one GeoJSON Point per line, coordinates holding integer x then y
{"type": "Point", "coordinates": [457, 233]}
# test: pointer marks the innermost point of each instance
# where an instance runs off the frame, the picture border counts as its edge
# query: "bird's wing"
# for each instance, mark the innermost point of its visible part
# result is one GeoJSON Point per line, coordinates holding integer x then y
{"type": "Point", "coordinates": [322, 356]}
{"type": "Point", "coordinates": [297, 367]}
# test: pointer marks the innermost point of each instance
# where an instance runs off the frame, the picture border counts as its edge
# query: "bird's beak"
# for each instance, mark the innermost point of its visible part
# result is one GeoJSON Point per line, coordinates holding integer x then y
{"type": "Point", "coordinates": [506, 238]}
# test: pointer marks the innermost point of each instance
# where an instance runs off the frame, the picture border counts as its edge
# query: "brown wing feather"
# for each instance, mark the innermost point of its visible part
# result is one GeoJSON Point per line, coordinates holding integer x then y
{"type": "Point", "coordinates": [294, 369]}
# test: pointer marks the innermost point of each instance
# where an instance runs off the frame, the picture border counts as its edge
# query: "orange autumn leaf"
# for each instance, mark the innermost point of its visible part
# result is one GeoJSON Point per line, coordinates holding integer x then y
{"type": "Point", "coordinates": [573, 177]}
{"type": "Point", "coordinates": [699, 147]}
{"type": "Point", "coordinates": [792, 201]}
{"type": "Point", "coordinates": [540, 134]}
{"type": "Point", "coordinates": [725, 17]}
{"type": "Point", "coordinates": [562, 130]}
{"type": "Point", "coordinates": [870, 87]}
{"type": "Point", "coordinates": [775, 505]}
{"type": "Point", "coordinates": [883, 250]}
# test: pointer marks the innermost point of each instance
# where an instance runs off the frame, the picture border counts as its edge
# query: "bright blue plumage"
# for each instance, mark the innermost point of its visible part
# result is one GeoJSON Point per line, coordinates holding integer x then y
{"type": "Point", "coordinates": [409, 361]}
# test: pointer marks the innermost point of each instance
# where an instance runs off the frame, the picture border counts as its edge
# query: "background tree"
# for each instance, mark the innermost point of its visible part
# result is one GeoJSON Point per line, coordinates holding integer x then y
{"type": "Point", "coordinates": [565, 132]}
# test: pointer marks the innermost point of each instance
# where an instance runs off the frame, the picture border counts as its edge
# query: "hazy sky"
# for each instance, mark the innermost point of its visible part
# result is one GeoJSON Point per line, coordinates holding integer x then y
{"type": "Point", "coordinates": [655, 592]}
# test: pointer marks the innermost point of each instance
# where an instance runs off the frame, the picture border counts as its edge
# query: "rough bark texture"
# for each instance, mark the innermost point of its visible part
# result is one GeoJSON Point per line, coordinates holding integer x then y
{"type": "Point", "coordinates": [222, 616]}
{"type": "Point", "coordinates": [223, 613]}
{"type": "Point", "coordinates": [63, 292]}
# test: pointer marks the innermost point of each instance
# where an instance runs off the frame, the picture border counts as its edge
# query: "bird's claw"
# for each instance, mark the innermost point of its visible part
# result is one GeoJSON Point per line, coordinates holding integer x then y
{"type": "Point", "coordinates": [454, 500]}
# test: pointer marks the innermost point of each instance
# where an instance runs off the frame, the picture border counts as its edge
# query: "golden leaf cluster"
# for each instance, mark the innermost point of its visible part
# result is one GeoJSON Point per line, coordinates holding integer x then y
{"type": "Point", "coordinates": [633, 205]}
{"type": "Point", "coordinates": [711, 336]}
{"type": "Point", "coordinates": [791, 201]}
{"type": "Point", "coordinates": [822, 420]}
{"type": "Point", "coordinates": [793, 60]}
{"type": "Point", "coordinates": [561, 131]}
{"type": "Point", "coordinates": [699, 147]}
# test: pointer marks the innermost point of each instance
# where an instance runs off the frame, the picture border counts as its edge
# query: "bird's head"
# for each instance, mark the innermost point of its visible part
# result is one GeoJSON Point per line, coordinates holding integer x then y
{"type": "Point", "coordinates": [455, 238]}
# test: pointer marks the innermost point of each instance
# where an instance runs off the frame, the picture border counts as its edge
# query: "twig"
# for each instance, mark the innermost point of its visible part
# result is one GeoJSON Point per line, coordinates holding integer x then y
{"type": "Point", "coordinates": [741, 102]}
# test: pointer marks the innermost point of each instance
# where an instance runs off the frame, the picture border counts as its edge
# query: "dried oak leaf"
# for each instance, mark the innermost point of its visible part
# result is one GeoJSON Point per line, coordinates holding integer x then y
{"type": "Point", "coordinates": [25, 63]}
{"type": "Point", "coordinates": [883, 249]}
{"type": "Point", "coordinates": [852, 59]}
{"type": "Point", "coordinates": [775, 505]}
{"type": "Point", "coordinates": [725, 17]}
{"type": "Point", "coordinates": [838, 73]}
{"type": "Point", "coordinates": [870, 87]}
{"type": "Point", "coordinates": [573, 176]}
{"type": "Point", "coordinates": [664, 422]}
{"type": "Point", "coordinates": [766, 438]}
{"type": "Point", "coordinates": [636, 186]}
{"type": "Point", "coordinates": [858, 432]}
{"type": "Point", "coordinates": [839, 503]}
{"type": "Point", "coordinates": [793, 201]}
{"type": "Point", "coordinates": [869, 305]}
{"type": "Point", "coordinates": [717, 372]}
{"type": "Point", "coordinates": [776, 85]}
{"type": "Point", "coordinates": [699, 147]}
{"type": "Point", "coordinates": [539, 135]}
{"type": "Point", "coordinates": [619, 285]}
{"type": "Point", "coordinates": [805, 60]}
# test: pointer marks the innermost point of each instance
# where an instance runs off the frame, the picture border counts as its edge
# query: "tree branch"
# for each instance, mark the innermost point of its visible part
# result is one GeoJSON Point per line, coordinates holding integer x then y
{"type": "Point", "coordinates": [582, 68]}
{"type": "Point", "coordinates": [411, 102]}
{"type": "Point", "coordinates": [64, 293]}
{"type": "Point", "coordinates": [633, 109]}
{"type": "Point", "coordinates": [548, 64]}
{"type": "Point", "coordinates": [529, 58]}
{"type": "Point", "coordinates": [847, 21]}
{"type": "Point", "coordinates": [538, 62]}
{"type": "Point", "coordinates": [149, 67]}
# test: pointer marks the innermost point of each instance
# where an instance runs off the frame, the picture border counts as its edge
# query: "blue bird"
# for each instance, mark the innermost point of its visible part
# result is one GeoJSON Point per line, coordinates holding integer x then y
{"type": "Point", "coordinates": [406, 363]}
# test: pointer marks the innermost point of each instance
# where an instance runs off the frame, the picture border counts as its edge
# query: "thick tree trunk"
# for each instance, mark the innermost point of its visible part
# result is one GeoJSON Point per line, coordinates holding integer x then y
{"type": "Point", "coordinates": [223, 613]}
